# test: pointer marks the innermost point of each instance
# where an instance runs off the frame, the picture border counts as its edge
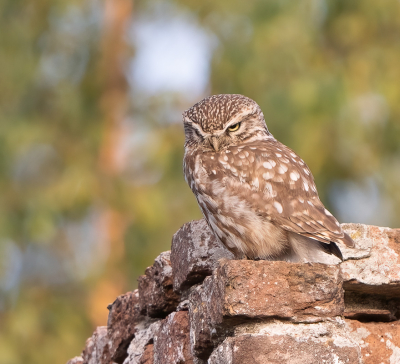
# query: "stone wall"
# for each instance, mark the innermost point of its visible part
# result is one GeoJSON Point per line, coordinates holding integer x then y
{"type": "Point", "coordinates": [196, 304]}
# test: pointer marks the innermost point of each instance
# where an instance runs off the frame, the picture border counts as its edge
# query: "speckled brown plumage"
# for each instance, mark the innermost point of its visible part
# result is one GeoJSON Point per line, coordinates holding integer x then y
{"type": "Point", "coordinates": [257, 195]}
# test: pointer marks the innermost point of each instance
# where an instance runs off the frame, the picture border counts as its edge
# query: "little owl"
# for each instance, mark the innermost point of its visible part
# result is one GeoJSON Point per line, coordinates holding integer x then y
{"type": "Point", "coordinates": [256, 194]}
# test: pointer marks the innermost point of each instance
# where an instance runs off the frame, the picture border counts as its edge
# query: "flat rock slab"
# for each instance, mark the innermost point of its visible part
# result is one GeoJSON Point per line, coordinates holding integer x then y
{"type": "Point", "coordinates": [156, 295]}
{"type": "Point", "coordinates": [374, 265]}
{"type": "Point", "coordinates": [280, 343]}
{"type": "Point", "coordinates": [239, 291]}
{"type": "Point", "coordinates": [379, 342]}
{"type": "Point", "coordinates": [195, 253]}
{"type": "Point", "coordinates": [172, 342]}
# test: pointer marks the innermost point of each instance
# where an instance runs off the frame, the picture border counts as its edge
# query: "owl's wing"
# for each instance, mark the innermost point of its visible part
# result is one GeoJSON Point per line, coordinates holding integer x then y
{"type": "Point", "coordinates": [280, 187]}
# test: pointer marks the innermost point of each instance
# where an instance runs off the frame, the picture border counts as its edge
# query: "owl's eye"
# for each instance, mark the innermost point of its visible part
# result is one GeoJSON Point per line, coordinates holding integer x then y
{"type": "Point", "coordinates": [234, 127]}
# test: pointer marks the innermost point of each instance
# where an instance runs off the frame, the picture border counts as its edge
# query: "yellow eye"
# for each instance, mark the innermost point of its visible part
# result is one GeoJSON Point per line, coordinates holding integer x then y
{"type": "Point", "coordinates": [234, 127]}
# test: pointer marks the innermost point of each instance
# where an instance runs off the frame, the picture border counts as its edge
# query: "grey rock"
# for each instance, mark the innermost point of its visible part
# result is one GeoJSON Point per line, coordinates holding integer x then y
{"type": "Point", "coordinates": [137, 349]}
{"type": "Point", "coordinates": [373, 267]}
{"type": "Point", "coordinates": [195, 253]}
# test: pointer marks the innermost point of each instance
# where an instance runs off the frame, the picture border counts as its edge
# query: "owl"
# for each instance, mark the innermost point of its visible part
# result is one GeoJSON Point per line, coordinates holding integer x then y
{"type": "Point", "coordinates": [256, 194]}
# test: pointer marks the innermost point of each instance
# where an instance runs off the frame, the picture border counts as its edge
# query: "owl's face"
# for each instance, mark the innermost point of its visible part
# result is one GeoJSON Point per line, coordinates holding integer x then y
{"type": "Point", "coordinates": [220, 121]}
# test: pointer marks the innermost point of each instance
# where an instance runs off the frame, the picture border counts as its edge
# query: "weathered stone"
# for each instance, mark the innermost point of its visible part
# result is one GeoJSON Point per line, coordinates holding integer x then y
{"type": "Point", "coordinates": [172, 342]}
{"type": "Point", "coordinates": [373, 267]}
{"type": "Point", "coordinates": [76, 360]}
{"type": "Point", "coordinates": [285, 343]}
{"type": "Point", "coordinates": [156, 295]}
{"type": "Point", "coordinates": [195, 253]}
{"type": "Point", "coordinates": [139, 350]}
{"type": "Point", "coordinates": [97, 348]}
{"type": "Point", "coordinates": [366, 307]}
{"type": "Point", "coordinates": [148, 355]}
{"type": "Point", "coordinates": [242, 290]}
{"type": "Point", "coordinates": [123, 317]}
{"type": "Point", "coordinates": [257, 311]}
{"type": "Point", "coordinates": [379, 342]}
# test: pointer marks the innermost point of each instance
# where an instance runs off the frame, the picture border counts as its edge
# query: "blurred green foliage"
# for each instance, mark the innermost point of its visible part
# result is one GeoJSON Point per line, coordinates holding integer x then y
{"type": "Point", "coordinates": [73, 234]}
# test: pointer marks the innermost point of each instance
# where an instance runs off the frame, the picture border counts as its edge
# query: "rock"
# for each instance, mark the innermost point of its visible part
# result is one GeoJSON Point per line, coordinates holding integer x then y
{"type": "Point", "coordinates": [196, 306]}
{"type": "Point", "coordinates": [97, 349]}
{"type": "Point", "coordinates": [373, 267]}
{"type": "Point", "coordinates": [285, 343]}
{"type": "Point", "coordinates": [156, 295]}
{"type": "Point", "coordinates": [239, 291]}
{"type": "Point", "coordinates": [172, 342]}
{"type": "Point", "coordinates": [195, 253]}
{"type": "Point", "coordinates": [366, 307]}
{"type": "Point", "coordinates": [139, 350]}
{"type": "Point", "coordinates": [379, 342]}
{"type": "Point", "coordinates": [76, 360]}
{"type": "Point", "coordinates": [148, 355]}
{"type": "Point", "coordinates": [123, 317]}
{"type": "Point", "coordinates": [183, 306]}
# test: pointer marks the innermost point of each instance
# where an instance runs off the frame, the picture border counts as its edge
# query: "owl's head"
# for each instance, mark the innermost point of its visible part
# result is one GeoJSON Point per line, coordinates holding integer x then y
{"type": "Point", "coordinates": [219, 121]}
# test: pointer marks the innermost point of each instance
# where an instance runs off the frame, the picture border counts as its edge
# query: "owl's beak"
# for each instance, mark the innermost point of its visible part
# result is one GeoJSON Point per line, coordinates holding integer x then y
{"type": "Point", "coordinates": [214, 141]}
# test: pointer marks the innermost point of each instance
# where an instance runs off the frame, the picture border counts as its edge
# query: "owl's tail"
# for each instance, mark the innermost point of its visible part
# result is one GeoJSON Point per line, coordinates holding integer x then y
{"type": "Point", "coordinates": [346, 240]}
{"type": "Point", "coordinates": [333, 249]}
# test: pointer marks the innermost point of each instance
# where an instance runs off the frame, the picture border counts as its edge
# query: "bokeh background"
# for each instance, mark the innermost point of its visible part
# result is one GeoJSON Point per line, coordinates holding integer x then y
{"type": "Point", "coordinates": [91, 140]}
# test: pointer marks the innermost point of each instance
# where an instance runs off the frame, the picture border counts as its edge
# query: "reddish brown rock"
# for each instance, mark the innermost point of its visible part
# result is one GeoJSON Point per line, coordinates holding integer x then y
{"type": "Point", "coordinates": [148, 355]}
{"type": "Point", "coordinates": [195, 253]}
{"type": "Point", "coordinates": [123, 317]}
{"type": "Point", "coordinates": [156, 295]}
{"type": "Point", "coordinates": [373, 267]}
{"type": "Point", "coordinates": [172, 342]}
{"type": "Point", "coordinates": [283, 343]}
{"type": "Point", "coordinates": [242, 290]}
{"type": "Point", "coordinates": [379, 342]}
{"type": "Point", "coordinates": [97, 350]}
